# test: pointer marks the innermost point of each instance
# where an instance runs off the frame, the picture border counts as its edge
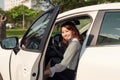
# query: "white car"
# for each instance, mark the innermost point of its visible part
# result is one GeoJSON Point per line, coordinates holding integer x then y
{"type": "Point", "coordinates": [99, 56]}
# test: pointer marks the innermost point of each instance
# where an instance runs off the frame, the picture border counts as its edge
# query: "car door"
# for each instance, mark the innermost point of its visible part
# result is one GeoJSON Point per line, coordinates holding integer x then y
{"type": "Point", "coordinates": [100, 59]}
{"type": "Point", "coordinates": [27, 64]}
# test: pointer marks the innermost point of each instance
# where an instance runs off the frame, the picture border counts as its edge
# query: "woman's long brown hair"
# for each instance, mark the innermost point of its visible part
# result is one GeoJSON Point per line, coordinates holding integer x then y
{"type": "Point", "coordinates": [71, 26]}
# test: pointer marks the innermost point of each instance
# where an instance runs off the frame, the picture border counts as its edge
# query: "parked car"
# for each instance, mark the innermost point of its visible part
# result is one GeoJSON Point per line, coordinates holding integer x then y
{"type": "Point", "coordinates": [99, 56]}
{"type": "Point", "coordinates": [10, 25]}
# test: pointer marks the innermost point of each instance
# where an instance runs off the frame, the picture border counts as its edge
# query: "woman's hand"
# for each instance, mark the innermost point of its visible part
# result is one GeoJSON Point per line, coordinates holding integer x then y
{"type": "Point", "coordinates": [47, 73]}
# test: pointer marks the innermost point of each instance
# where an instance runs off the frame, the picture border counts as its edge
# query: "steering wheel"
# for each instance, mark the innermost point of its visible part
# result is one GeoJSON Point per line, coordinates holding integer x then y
{"type": "Point", "coordinates": [55, 50]}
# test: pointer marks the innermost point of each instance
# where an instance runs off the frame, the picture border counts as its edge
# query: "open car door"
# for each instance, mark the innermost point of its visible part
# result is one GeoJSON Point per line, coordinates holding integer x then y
{"type": "Point", "coordinates": [27, 64]}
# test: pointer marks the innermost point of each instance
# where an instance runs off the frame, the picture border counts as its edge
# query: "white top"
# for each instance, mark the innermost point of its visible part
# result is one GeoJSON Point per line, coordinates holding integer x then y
{"type": "Point", "coordinates": [70, 57]}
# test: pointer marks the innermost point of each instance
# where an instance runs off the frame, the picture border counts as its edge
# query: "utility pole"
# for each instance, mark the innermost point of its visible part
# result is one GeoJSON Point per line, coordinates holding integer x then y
{"type": "Point", "coordinates": [23, 17]}
{"type": "Point", "coordinates": [23, 22]}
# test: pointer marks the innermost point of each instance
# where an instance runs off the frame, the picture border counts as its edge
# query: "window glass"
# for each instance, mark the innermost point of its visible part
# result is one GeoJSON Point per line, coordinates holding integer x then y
{"type": "Point", "coordinates": [82, 23]}
{"type": "Point", "coordinates": [110, 29]}
{"type": "Point", "coordinates": [33, 38]}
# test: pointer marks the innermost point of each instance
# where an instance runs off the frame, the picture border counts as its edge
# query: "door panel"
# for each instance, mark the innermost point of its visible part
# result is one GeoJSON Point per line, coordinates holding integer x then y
{"type": "Point", "coordinates": [4, 63]}
{"type": "Point", "coordinates": [22, 63]}
{"type": "Point", "coordinates": [101, 60]}
{"type": "Point", "coordinates": [25, 65]}
{"type": "Point", "coordinates": [100, 63]}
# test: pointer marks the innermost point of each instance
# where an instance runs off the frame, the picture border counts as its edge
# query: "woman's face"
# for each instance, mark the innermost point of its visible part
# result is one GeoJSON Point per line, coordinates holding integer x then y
{"type": "Point", "coordinates": [66, 34]}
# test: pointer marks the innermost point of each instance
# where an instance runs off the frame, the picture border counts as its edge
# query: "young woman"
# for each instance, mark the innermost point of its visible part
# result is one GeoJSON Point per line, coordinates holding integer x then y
{"type": "Point", "coordinates": [65, 70]}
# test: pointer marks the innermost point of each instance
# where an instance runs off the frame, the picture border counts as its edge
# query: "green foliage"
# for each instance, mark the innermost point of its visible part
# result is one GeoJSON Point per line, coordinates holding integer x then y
{"type": "Point", "coordinates": [71, 4]}
{"type": "Point", "coordinates": [1, 11]}
{"type": "Point", "coordinates": [15, 32]}
{"type": "Point", "coordinates": [15, 15]}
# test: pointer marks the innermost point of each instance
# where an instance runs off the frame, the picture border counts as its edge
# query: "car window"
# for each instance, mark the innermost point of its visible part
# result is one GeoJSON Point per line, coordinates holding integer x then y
{"type": "Point", "coordinates": [82, 23]}
{"type": "Point", "coordinates": [34, 36]}
{"type": "Point", "coordinates": [110, 29]}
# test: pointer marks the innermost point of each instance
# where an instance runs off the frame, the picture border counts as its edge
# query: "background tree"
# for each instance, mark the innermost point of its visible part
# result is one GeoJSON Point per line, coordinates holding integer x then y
{"type": "Point", "coordinates": [71, 4]}
{"type": "Point", "coordinates": [15, 15]}
{"type": "Point", "coordinates": [1, 11]}
{"type": "Point", "coordinates": [3, 21]}
{"type": "Point", "coordinates": [22, 15]}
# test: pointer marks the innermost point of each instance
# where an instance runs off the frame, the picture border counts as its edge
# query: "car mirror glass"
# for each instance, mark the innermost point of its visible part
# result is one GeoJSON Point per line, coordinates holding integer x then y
{"type": "Point", "coordinates": [9, 43]}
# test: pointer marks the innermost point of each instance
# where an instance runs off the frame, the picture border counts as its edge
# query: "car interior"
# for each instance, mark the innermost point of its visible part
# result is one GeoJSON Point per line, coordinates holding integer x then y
{"type": "Point", "coordinates": [55, 49]}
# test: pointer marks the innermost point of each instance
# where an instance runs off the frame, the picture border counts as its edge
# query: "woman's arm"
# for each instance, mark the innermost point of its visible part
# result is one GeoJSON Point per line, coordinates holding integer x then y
{"type": "Point", "coordinates": [68, 55]}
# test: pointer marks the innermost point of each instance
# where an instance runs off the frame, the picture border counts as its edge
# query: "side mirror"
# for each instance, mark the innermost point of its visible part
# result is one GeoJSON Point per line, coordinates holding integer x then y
{"type": "Point", "coordinates": [10, 43]}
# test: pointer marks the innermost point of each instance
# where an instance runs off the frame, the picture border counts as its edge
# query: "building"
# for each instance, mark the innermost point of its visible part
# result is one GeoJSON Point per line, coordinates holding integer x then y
{"type": "Point", "coordinates": [8, 4]}
{"type": "Point", "coordinates": [31, 4]}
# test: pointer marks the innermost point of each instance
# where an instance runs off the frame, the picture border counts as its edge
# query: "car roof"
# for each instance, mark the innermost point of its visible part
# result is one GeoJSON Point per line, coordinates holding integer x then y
{"type": "Point", "coordinates": [105, 6]}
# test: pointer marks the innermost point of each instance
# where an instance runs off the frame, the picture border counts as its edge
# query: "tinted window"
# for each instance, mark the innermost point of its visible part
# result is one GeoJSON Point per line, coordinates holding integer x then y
{"type": "Point", "coordinates": [34, 36]}
{"type": "Point", "coordinates": [110, 29]}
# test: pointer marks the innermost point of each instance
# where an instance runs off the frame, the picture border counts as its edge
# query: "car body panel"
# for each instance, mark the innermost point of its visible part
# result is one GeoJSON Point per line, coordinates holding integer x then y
{"type": "Point", "coordinates": [4, 63]}
{"type": "Point", "coordinates": [25, 64]}
{"type": "Point", "coordinates": [22, 64]}
{"type": "Point", "coordinates": [27, 61]}
{"type": "Point", "coordinates": [99, 63]}
{"type": "Point", "coordinates": [91, 9]}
